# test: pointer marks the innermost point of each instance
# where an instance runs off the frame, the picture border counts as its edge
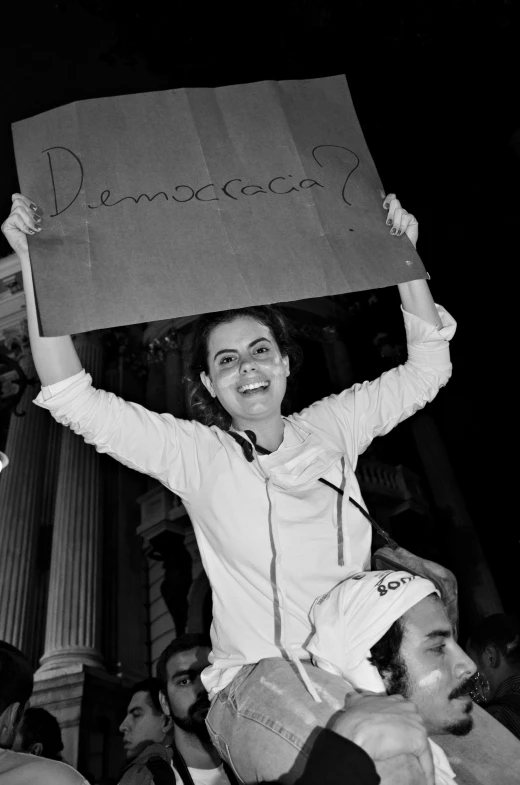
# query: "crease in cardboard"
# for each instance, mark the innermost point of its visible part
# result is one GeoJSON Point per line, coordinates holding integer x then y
{"type": "Point", "coordinates": [312, 204]}
{"type": "Point", "coordinates": [222, 222]}
{"type": "Point", "coordinates": [236, 256]}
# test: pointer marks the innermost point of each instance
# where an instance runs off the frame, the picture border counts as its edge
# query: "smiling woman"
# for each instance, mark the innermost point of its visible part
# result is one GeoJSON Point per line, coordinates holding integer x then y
{"type": "Point", "coordinates": [260, 335]}
{"type": "Point", "coordinates": [272, 536]}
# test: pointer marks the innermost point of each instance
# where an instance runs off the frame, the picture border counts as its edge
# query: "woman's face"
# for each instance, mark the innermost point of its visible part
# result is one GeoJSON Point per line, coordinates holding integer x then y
{"type": "Point", "coordinates": [247, 372]}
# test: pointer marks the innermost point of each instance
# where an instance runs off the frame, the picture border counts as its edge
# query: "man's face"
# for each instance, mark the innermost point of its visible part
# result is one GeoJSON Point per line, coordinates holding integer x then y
{"type": "Point", "coordinates": [187, 700]}
{"type": "Point", "coordinates": [438, 672]}
{"type": "Point", "coordinates": [142, 725]}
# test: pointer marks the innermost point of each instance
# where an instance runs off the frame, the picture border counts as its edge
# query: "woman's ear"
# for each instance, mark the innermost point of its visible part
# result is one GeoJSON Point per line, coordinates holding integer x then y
{"type": "Point", "coordinates": [287, 364]}
{"type": "Point", "coordinates": [206, 381]}
{"type": "Point", "coordinates": [36, 749]}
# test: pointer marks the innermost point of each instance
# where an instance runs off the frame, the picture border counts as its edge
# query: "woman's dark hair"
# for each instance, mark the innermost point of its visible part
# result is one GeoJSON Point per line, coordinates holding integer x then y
{"type": "Point", "coordinates": [501, 630]}
{"type": "Point", "coordinates": [206, 409]}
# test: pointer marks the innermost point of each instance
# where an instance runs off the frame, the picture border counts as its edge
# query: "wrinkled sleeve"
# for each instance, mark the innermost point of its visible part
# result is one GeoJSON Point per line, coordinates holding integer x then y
{"type": "Point", "coordinates": [373, 408]}
{"type": "Point", "coordinates": [331, 756]}
{"type": "Point", "coordinates": [174, 451]}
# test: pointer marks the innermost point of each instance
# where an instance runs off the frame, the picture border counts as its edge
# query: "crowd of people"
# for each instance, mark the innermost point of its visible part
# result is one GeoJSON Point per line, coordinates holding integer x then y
{"type": "Point", "coordinates": [319, 669]}
{"type": "Point", "coordinates": [404, 647]}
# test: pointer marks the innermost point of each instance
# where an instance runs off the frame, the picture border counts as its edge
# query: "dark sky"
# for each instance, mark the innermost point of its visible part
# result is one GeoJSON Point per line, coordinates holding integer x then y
{"type": "Point", "coordinates": [436, 88]}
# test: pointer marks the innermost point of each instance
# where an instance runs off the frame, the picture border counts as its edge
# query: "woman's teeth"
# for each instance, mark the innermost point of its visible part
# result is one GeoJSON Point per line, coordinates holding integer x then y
{"type": "Point", "coordinates": [254, 386]}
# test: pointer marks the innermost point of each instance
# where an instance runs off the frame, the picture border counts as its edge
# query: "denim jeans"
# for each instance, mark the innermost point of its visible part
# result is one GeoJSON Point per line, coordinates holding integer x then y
{"type": "Point", "coordinates": [265, 722]}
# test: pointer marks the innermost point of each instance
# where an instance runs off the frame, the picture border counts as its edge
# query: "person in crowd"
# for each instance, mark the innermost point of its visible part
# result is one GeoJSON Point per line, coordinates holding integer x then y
{"type": "Point", "coordinates": [389, 632]}
{"type": "Point", "coordinates": [18, 768]}
{"type": "Point", "coordinates": [145, 722]}
{"type": "Point", "coordinates": [39, 733]}
{"type": "Point", "coordinates": [494, 645]}
{"type": "Point", "coordinates": [147, 737]}
{"type": "Point", "coordinates": [189, 747]}
{"type": "Point", "coordinates": [272, 536]}
{"type": "Point", "coordinates": [184, 699]}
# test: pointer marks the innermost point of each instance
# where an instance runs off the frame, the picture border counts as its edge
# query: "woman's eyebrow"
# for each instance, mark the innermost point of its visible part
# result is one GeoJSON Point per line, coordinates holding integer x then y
{"type": "Point", "coordinates": [253, 343]}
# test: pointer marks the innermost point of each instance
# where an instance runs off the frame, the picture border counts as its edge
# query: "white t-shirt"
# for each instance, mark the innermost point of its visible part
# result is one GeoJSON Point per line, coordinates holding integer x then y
{"type": "Point", "coordinates": [271, 537]}
{"type": "Point", "coordinates": [205, 776]}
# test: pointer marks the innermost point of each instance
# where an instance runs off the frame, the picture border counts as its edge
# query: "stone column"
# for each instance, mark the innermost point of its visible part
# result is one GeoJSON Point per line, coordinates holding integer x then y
{"type": "Point", "coordinates": [21, 487]}
{"type": "Point", "coordinates": [38, 613]}
{"type": "Point", "coordinates": [477, 587]}
{"type": "Point", "coordinates": [74, 607]}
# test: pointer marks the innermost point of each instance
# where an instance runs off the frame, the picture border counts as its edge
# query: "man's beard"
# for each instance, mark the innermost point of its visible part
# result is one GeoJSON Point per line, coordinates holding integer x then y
{"type": "Point", "coordinates": [195, 719]}
{"type": "Point", "coordinates": [399, 684]}
{"type": "Point", "coordinates": [463, 726]}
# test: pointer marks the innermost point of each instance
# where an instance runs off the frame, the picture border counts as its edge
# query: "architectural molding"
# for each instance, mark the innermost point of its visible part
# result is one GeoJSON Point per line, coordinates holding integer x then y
{"type": "Point", "coordinates": [9, 266]}
{"type": "Point", "coordinates": [13, 314]}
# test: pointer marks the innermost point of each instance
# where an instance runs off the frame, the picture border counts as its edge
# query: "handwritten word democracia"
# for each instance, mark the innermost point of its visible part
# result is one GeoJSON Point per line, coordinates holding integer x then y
{"type": "Point", "coordinates": [234, 189]}
{"type": "Point", "coordinates": [185, 193]}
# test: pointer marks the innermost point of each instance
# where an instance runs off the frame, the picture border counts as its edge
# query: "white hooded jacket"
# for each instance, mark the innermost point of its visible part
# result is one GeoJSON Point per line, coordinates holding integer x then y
{"type": "Point", "coordinates": [271, 537]}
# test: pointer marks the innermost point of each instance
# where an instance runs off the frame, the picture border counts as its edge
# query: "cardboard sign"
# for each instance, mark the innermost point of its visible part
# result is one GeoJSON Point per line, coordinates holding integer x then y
{"type": "Point", "coordinates": [186, 201]}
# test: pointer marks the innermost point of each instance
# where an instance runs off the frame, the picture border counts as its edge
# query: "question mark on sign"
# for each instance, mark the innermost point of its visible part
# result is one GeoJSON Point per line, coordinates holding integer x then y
{"type": "Point", "coordinates": [339, 147]}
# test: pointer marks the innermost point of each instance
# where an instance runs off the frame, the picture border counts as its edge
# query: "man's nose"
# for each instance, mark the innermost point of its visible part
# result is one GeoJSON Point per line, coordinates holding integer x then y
{"type": "Point", "coordinates": [123, 727]}
{"type": "Point", "coordinates": [465, 667]}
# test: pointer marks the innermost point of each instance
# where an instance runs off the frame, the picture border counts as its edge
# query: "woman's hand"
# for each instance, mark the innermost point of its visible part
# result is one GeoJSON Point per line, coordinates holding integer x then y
{"type": "Point", "coordinates": [23, 220]}
{"type": "Point", "coordinates": [55, 358]}
{"type": "Point", "coordinates": [400, 220]}
{"type": "Point", "coordinates": [415, 295]}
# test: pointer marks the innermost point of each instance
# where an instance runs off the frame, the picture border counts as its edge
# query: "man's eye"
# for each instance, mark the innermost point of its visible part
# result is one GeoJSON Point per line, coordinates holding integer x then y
{"type": "Point", "coordinates": [183, 682]}
{"type": "Point", "coordinates": [440, 649]}
{"type": "Point", "coordinates": [226, 360]}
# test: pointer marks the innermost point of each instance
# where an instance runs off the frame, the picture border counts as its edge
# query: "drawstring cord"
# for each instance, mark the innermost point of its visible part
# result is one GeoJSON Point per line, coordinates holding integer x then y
{"type": "Point", "coordinates": [247, 447]}
{"type": "Point", "coordinates": [388, 540]}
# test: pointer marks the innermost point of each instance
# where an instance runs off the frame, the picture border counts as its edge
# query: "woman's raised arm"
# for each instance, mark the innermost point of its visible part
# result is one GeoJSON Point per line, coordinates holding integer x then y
{"type": "Point", "coordinates": [55, 358]}
{"type": "Point", "coordinates": [415, 295]}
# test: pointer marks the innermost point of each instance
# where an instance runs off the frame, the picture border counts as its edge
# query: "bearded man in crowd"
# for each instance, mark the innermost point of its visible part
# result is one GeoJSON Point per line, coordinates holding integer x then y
{"type": "Point", "coordinates": [389, 632]}
{"type": "Point", "coordinates": [184, 699]}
